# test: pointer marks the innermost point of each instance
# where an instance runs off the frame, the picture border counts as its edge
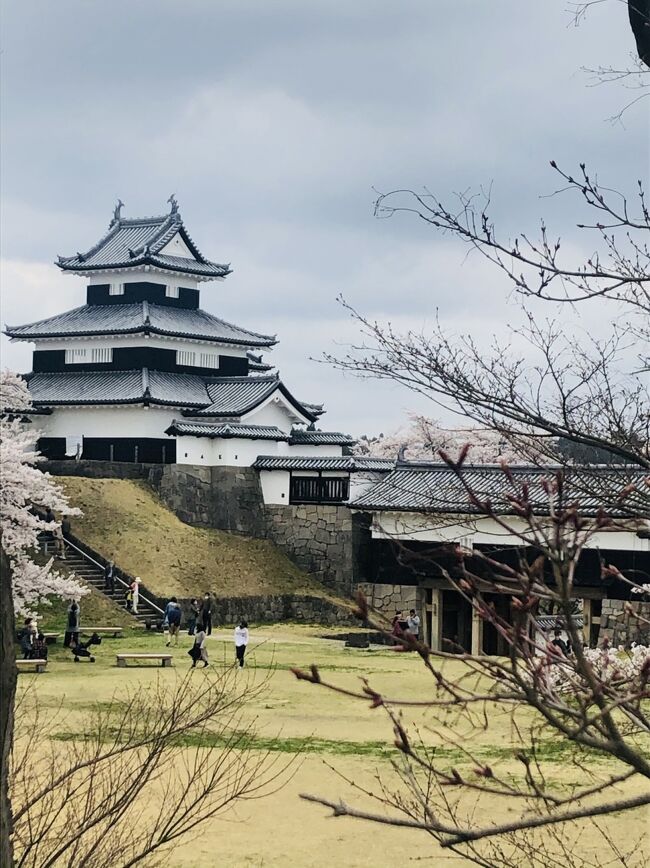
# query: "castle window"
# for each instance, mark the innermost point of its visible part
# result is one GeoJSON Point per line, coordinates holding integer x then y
{"type": "Point", "coordinates": [172, 291]}
{"type": "Point", "coordinates": [100, 355]}
{"type": "Point", "coordinates": [185, 357]}
{"type": "Point", "coordinates": [116, 289]}
{"type": "Point", "coordinates": [209, 360]}
{"type": "Point", "coordinates": [75, 357]}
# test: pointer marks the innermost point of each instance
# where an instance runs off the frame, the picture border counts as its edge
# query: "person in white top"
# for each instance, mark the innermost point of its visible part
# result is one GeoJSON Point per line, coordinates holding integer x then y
{"type": "Point", "coordinates": [241, 641]}
{"type": "Point", "coordinates": [135, 590]}
{"type": "Point", "coordinates": [414, 623]}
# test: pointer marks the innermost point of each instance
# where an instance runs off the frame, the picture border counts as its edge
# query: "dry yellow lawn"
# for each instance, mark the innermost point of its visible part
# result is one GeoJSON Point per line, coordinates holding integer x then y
{"type": "Point", "coordinates": [282, 830]}
{"type": "Point", "coordinates": [172, 557]}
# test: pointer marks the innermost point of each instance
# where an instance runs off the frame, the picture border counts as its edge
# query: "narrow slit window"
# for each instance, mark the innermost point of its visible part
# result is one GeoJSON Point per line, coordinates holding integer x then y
{"type": "Point", "coordinates": [209, 360]}
{"type": "Point", "coordinates": [101, 355]}
{"type": "Point", "coordinates": [185, 357]}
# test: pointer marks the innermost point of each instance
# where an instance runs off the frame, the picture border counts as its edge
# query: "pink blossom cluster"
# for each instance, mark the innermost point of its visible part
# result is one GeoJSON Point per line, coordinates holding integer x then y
{"type": "Point", "coordinates": [23, 487]}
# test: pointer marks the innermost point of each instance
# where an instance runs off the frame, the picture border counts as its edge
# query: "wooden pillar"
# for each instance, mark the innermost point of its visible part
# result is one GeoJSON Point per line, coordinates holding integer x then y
{"type": "Point", "coordinates": [435, 640]}
{"type": "Point", "coordinates": [587, 615]}
{"type": "Point", "coordinates": [477, 633]}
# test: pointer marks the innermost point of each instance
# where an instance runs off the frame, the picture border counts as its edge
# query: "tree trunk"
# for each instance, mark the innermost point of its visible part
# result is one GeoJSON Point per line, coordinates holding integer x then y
{"type": "Point", "coordinates": [639, 12]}
{"type": "Point", "coordinates": [8, 673]}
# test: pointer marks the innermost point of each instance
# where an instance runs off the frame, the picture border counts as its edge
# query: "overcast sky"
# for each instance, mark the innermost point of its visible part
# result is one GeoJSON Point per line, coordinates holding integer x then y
{"type": "Point", "coordinates": [273, 122]}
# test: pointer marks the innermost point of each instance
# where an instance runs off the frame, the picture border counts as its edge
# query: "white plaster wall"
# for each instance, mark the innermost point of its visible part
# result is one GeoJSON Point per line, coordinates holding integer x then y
{"type": "Point", "coordinates": [177, 247]}
{"type": "Point", "coordinates": [115, 421]}
{"type": "Point", "coordinates": [165, 343]}
{"type": "Point", "coordinates": [484, 530]}
{"type": "Point", "coordinates": [229, 452]}
{"type": "Point", "coordinates": [153, 275]}
{"type": "Point", "coordinates": [275, 486]}
{"type": "Point", "coordinates": [272, 413]}
{"type": "Point", "coordinates": [321, 451]}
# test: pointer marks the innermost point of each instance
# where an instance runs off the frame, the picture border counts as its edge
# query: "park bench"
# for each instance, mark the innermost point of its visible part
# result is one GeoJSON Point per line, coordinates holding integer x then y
{"type": "Point", "coordinates": [38, 664]}
{"type": "Point", "coordinates": [50, 638]}
{"type": "Point", "coordinates": [115, 632]}
{"type": "Point", "coordinates": [165, 659]}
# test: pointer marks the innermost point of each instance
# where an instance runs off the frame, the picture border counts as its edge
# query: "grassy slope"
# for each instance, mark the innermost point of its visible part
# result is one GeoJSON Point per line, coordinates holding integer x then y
{"type": "Point", "coordinates": [125, 520]}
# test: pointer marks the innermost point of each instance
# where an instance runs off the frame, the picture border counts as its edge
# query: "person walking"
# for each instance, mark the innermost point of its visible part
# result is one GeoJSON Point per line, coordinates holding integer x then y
{"type": "Point", "coordinates": [241, 641]}
{"type": "Point", "coordinates": [199, 651]}
{"type": "Point", "coordinates": [109, 578]}
{"type": "Point", "coordinates": [66, 527]}
{"type": "Point", "coordinates": [413, 621]}
{"type": "Point", "coordinates": [193, 618]}
{"type": "Point", "coordinates": [206, 613]}
{"type": "Point", "coordinates": [135, 594]}
{"type": "Point", "coordinates": [59, 543]}
{"type": "Point", "coordinates": [72, 625]}
{"type": "Point", "coordinates": [173, 620]}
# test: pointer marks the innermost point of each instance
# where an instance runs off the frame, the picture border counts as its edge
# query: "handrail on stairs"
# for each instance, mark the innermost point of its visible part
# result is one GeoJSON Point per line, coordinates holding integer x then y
{"type": "Point", "coordinates": [121, 581]}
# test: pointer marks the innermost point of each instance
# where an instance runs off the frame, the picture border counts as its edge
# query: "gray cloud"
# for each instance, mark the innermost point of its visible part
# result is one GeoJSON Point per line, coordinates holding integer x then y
{"type": "Point", "coordinates": [273, 122]}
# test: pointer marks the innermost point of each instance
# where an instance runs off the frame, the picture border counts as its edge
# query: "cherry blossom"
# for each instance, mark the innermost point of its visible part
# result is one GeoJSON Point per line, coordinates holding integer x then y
{"type": "Point", "coordinates": [25, 486]}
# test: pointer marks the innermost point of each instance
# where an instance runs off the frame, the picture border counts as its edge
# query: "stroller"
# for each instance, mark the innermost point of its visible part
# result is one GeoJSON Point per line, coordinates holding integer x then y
{"type": "Point", "coordinates": [80, 649]}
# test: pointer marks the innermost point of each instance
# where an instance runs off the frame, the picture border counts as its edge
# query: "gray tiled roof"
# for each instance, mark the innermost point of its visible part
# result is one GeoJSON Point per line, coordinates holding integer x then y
{"type": "Point", "coordinates": [257, 363]}
{"type": "Point", "coordinates": [235, 396]}
{"type": "Point", "coordinates": [319, 438]}
{"type": "Point", "coordinates": [135, 242]}
{"type": "Point", "coordinates": [225, 430]}
{"type": "Point", "coordinates": [140, 318]}
{"type": "Point", "coordinates": [118, 387]}
{"type": "Point", "coordinates": [435, 488]}
{"type": "Point", "coordinates": [344, 462]}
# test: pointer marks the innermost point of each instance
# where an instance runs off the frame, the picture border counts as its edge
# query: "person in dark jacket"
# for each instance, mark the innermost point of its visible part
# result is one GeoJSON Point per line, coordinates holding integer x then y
{"type": "Point", "coordinates": [109, 578]}
{"type": "Point", "coordinates": [39, 648]}
{"type": "Point", "coordinates": [195, 611]}
{"type": "Point", "coordinates": [72, 626]}
{"type": "Point", "coordinates": [206, 613]}
{"type": "Point", "coordinates": [27, 638]}
{"type": "Point", "coordinates": [66, 527]}
{"type": "Point", "coordinates": [173, 620]}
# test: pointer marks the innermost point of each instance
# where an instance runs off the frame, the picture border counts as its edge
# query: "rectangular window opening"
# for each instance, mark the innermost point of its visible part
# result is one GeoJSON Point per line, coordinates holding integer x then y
{"type": "Point", "coordinates": [116, 289]}
{"type": "Point", "coordinates": [172, 291]}
{"type": "Point", "coordinates": [186, 357]}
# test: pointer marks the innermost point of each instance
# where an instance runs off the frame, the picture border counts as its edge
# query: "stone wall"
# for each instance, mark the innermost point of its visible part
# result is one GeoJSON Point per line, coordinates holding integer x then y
{"type": "Point", "coordinates": [101, 469]}
{"type": "Point", "coordinates": [620, 625]}
{"type": "Point", "coordinates": [226, 498]}
{"type": "Point", "coordinates": [388, 599]}
{"type": "Point", "coordinates": [323, 540]}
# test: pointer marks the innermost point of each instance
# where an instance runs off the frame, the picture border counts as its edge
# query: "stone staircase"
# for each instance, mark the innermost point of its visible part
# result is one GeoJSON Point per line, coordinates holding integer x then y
{"type": "Point", "coordinates": [92, 573]}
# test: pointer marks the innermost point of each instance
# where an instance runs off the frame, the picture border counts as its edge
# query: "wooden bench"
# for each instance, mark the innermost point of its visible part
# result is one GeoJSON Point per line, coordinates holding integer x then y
{"type": "Point", "coordinates": [165, 659]}
{"type": "Point", "coordinates": [38, 664]}
{"type": "Point", "coordinates": [51, 638]}
{"type": "Point", "coordinates": [115, 632]}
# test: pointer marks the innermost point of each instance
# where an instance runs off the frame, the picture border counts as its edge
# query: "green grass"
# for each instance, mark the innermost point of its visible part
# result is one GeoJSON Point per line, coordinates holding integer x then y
{"type": "Point", "coordinates": [126, 521]}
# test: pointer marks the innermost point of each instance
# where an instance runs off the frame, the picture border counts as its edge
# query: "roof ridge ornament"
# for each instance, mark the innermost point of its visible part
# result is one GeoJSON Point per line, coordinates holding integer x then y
{"type": "Point", "coordinates": [173, 203]}
{"type": "Point", "coordinates": [117, 214]}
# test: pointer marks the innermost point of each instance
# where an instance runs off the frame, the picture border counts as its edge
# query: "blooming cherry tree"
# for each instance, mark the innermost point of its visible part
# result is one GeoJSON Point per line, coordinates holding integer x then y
{"type": "Point", "coordinates": [24, 486]}
{"type": "Point", "coordinates": [423, 438]}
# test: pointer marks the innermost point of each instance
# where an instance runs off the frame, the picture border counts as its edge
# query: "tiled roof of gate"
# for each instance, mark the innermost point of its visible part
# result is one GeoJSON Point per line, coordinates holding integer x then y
{"type": "Point", "coordinates": [139, 241]}
{"type": "Point", "coordinates": [320, 438]}
{"type": "Point", "coordinates": [316, 462]}
{"type": "Point", "coordinates": [235, 396]}
{"type": "Point", "coordinates": [226, 430]}
{"type": "Point", "coordinates": [140, 318]}
{"type": "Point", "coordinates": [436, 488]}
{"type": "Point", "coordinates": [118, 387]}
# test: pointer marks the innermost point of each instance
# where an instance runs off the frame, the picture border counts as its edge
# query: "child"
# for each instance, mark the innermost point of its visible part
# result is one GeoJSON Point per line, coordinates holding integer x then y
{"type": "Point", "coordinates": [39, 648]}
